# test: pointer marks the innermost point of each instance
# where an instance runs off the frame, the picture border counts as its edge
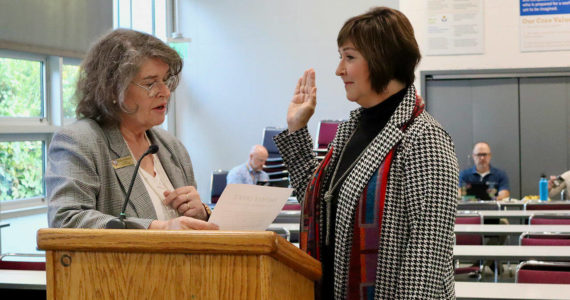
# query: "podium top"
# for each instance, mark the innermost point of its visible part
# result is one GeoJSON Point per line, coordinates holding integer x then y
{"type": "Point", "coordinates": [181, 241]}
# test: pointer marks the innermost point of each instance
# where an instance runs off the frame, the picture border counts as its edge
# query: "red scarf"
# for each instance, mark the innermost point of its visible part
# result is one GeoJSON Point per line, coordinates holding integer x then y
{"type": "Point", "coordinates": [309, 233]}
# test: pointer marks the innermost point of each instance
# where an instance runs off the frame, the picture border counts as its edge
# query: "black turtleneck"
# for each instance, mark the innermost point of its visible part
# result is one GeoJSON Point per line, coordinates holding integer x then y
{"type": "Point", "coordinates": [372, 121]}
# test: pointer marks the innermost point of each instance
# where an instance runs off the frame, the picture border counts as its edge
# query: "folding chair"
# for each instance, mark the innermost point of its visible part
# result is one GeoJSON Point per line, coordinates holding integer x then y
{"type": "Point", "coordinates": [544, 239]}
{"type": "Point", "coordinates": [267, 142]}
{"type": "Point", "coordinates": [217, 184]}
{"type": "Point", "coordinates": [547, 205]}
{"type": "Point", "coordinates": [326, 132]}
{"type": "Point", "coordinates": [533, 271]}
{"type": "Point", "coordinates": [23, 261]}
{"type": "Point", "coordinates": [469, 239]}
{"type": "Point", "coordinates": [549, 219]}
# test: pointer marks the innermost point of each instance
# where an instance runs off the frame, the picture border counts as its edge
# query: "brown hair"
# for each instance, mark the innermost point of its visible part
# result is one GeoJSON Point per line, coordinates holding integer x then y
{"type": "Point", "coordinates": [385, 37]}
{"type": "Point", "coordinates": [110, 66]}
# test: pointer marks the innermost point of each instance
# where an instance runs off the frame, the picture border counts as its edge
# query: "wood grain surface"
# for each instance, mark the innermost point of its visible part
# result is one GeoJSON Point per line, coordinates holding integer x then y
{"type": "Point", "coordinates": [129, 264]}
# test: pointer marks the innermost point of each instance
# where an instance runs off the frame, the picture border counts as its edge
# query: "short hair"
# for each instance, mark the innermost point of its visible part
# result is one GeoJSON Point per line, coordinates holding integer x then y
{"type": "Point", "coordinates": [110, 66]}
{"type": "Point", "coordinates": [385, 38]}
{"type": "Point", "coordinates": [481, 142]}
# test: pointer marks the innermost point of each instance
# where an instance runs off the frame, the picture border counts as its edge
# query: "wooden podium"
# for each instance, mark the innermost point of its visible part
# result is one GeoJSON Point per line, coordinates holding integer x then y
{"type": "Point", "coordinates": [153, 264]}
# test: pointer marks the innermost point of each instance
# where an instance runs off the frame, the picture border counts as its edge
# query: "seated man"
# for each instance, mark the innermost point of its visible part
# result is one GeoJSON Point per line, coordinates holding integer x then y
{"type": "Point", "coordinates": [496, 180]}
{"type": "Point", "coordinates": [251, 171]}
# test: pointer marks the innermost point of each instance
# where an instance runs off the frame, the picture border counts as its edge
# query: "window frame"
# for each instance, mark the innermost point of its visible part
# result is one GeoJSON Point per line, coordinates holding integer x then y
{"type": "Point", "coordinates": [28, 121]}
{"type": "Point", "coordinates": [14, 129]}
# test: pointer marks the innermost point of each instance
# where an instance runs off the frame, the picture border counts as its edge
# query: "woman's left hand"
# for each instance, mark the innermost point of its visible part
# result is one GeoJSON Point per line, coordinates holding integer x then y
{"type": "Point", "coordinates": [186, 201]}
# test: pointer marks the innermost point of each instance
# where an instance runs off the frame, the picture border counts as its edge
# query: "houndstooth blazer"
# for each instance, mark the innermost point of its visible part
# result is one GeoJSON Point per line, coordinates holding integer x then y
{"type": "Point", "coordinates": [416, 244]}
{"type": "Point", "coordinates": [84, 190]}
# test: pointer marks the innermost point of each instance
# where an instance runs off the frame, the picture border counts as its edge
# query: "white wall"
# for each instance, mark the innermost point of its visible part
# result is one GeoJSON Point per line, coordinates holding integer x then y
{"type": "Point", "coordinates": [501, 40]}
{"type": "Point", "coordinates": [244, 61]}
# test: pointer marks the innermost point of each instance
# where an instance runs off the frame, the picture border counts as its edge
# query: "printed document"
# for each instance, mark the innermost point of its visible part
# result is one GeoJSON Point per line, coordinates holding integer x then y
{"type": "Point", "coordinates": [248, 207]}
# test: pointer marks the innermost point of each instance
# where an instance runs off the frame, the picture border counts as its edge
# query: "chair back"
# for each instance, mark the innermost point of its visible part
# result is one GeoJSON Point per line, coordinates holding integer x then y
{"type": "Point", "coordinates": [21, 261]}
{"type": "Point", "coordinates": [217, 184]}
{"type": "Point", "coordinates": [550, 219]}
{"type": "Point", "coordinates": [326, 133]}
{"type": "Point", "coordinates": [468, 239]}
{"type": "Point", "coordinates": [544, 239]}
{"type": "Point", "coordinates": [267, 141]}
{"type": "Point", "coordinates": [543, 272]}
{"type": "Point", "coordinates": [547, 205]}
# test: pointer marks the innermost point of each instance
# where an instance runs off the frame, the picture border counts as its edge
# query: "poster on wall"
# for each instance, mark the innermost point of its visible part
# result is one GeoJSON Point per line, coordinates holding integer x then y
{"type": "Point", "coordinates": [454, 27]}
{"type": "Point", "coordinates": [544, 25]}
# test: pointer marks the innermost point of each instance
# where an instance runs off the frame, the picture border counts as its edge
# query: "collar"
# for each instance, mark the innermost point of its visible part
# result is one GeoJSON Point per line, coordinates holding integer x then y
{"type": "Point", "coordinates": [401, 115]}
{"type": "Point", "coordinates": [474, 170]}
{"type": "Point", "coordinates": [250, 169]}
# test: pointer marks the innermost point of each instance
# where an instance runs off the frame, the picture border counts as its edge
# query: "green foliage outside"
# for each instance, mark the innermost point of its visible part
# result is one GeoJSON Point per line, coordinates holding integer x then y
{"type": "Point", "coordinates": [21, 162]}
{"type": "Point", "coordinates": [21, 170]}
{"type": "Point", "coordinates": [69, 78]}
{"type": "Point", "coordinates": [20, 88]}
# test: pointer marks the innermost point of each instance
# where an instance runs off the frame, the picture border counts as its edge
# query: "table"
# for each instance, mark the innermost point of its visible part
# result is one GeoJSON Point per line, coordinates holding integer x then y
{"type": "Point", "coordinates": [508, 229]}
{"type": "Point", "coordinates": [20, 279]}
{"type": "Point", "coordinates": [521, 214]}
{"type": "Point", "coordinates": [506, 253]}
{"type": "Point", "coordinates": [490, 290]}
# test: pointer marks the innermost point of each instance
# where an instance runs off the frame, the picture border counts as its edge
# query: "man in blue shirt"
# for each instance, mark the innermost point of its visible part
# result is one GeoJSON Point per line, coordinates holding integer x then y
{"type": "Point", "coordinates": [496, 180]}
{"type": "Point", "coordinates": [251, 171]}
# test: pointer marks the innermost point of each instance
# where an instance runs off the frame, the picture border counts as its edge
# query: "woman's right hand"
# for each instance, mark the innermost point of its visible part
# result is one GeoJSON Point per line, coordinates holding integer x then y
{"type": "Point", "coordinates": [304, 101]}
{"type": "Point", "coordinates": [183, 222]}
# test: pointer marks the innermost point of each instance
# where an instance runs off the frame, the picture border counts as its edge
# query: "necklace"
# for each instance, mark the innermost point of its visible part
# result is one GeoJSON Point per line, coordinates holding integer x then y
{"type": "Point", "coordinates": [329, 193]}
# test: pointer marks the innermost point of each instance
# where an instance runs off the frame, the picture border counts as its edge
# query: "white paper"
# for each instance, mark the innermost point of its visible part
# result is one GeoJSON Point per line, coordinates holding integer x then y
{"type": "Point", "coordinates": [248, 207]}
{"type": "Point", "coordinates": [544, 25]}
{"type": "Point", "coordinates": [454, 27]}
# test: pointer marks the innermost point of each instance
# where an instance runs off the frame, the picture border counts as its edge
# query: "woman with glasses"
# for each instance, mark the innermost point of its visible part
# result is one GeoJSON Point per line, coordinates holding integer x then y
{"type": "Point", "coordinates": [123, 92]}
{"type": "Point", "coordinates": [379, 210]}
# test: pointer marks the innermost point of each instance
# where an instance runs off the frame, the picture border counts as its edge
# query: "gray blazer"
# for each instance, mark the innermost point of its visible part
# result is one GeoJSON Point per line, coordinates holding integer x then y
{"type": "Point", "coordinates": [85, 190]}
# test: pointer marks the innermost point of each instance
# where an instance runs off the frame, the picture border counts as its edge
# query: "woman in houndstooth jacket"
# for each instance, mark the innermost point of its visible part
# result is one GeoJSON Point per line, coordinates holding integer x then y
{"type": "Point", "coordinates": [379, 210]}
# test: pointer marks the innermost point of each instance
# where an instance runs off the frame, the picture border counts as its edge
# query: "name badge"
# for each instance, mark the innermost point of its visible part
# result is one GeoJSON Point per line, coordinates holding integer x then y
{"type": "Point", "coordinates": [122, 162]}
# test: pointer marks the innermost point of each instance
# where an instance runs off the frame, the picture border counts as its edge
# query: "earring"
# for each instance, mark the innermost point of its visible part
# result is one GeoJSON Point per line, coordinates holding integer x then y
{"type": "Point", "coordinates": [114, 102]}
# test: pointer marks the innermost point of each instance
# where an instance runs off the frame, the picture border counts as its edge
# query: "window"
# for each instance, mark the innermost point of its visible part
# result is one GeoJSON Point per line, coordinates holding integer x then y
{"type": "Point", "coordinates": [70, 74]}
{"type": "Point", "coordinates": [21, 169]}
{"type": "Point", "coordinates": [21, 88]}
{"type": "Point", "coordinates": [30, 111]}
{"type": "Point", "coordinates": [34, 92]}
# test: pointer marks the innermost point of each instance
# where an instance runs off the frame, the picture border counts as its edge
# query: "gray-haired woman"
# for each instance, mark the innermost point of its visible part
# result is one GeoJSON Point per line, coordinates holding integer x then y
{"type": "Point", "coordinates": [123, 90]}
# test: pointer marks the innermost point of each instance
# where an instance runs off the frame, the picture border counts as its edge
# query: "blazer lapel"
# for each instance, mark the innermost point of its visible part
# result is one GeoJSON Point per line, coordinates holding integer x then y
{"type": "Point", "coordinates": [170, 165]}
{"type": "Point", "coordinates": [140, 203]}
{"type": "Point", "coordinates": [374, 155]}
{"type": "Point", "coordinates": [378, 149]}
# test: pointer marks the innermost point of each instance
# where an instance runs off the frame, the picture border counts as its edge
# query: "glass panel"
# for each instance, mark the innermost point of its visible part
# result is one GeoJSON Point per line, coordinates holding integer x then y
{"type": "Point", "coordinates": [21, 170]}
{"type": "Point", "coordinates": [160, 19]}
{"type": "Point", "coordinates": [124, 13]}
{"type": "Point", "coordinates": [20, 88]}
{"type": "Point", "coordinates": [142, 18]}
{"type": "Point", "coordinates": [70, 76]}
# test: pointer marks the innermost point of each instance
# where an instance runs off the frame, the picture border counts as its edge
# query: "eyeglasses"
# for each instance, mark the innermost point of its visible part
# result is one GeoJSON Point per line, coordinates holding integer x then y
{"type": "Point", "coordinates": [481, 155]}
{"type": "Point", "coordinates": [154, 88]}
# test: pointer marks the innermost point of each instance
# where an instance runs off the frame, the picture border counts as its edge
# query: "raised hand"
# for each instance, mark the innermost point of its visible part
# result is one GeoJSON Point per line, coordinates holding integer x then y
{"type": "Point", "coordinates": [304, 100]}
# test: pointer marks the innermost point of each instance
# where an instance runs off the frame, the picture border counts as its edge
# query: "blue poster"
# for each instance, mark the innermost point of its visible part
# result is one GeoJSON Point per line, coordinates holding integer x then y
{"type": "Point", "coordinates": [544, 7]}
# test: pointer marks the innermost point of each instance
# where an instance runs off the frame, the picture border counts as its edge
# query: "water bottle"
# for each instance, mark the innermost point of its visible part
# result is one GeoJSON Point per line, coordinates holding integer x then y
{"type": "Point", "coordinates": [543, 188]}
